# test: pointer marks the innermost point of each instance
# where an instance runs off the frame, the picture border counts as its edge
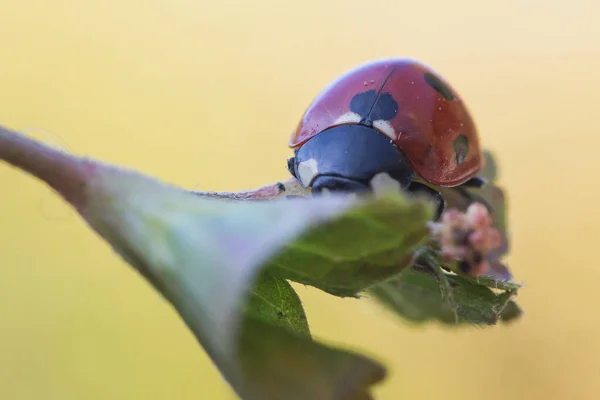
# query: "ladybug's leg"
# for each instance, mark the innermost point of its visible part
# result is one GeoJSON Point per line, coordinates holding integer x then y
{"type": "Point", "coordinates": [290, 166]}
{"type": "Point", "coordinates": [418, 189]}
{"type": "Point", "coordinates": [475, 182]}
{"type": "Point", "coordinates": [470, 195]}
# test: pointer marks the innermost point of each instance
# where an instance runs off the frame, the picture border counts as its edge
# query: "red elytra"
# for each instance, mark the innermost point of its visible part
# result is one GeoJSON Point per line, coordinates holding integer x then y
{"type": "Point", "coordinates": [432, 127]}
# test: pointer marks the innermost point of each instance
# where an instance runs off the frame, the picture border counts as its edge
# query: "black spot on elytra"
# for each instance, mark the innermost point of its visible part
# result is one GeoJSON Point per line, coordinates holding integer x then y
{"type": "Point", "coordinates": [361, 102]}
{"type": "Point", "coordinates": [439, 86]}
{"type": "Point", "coordinates": [281, 187]}
{"type": "Point", "coordinates": [461, 149]}
{"type": "Point", "coordinates": [386, 108]}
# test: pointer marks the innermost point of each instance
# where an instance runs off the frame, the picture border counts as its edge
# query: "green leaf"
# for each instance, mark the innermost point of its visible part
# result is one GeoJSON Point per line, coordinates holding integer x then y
{"type": "Point", "coordinates": [275, 301]}
{"type": "Point", "coordinates": [415, 295]}
{"type": "Point", "coordinates": [276, 360]}
{"type": "Point", "coordinates": [220, 250]}
{"type": "Point", "coordinates": [205, 255]}
{"type": "Point", "coordinates": [364, 246]}
{"type": "Point", "coordinates": [280, 365]}
{"type": "Point", "coordinates": [490, 167]}
{"type": "Point", "coordinates": [223, 265]}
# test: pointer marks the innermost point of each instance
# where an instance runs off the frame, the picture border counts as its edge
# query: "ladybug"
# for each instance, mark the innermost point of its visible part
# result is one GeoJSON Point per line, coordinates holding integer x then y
{"type": "Point", "coordinates": [387, 121]}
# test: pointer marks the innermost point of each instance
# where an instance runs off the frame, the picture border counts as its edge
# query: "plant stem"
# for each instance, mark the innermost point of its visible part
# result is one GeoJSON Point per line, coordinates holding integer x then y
{"type": "Point", "coordinates": [63, 172]}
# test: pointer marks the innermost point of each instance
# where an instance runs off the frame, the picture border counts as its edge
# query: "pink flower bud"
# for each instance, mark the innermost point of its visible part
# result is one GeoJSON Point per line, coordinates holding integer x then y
{"type": "Point", "coordinates": [479, 269]}
{"type": "Point", "coordinates": [478, 216]}
{"type": "Point", "coordinates": [495, 239]}
{"type": "Point", "coordinates": [478, 240]}
{"type": "Point", "coordinates": [451, 216]}
{"type": "Point", "coordinates": [467, 237]}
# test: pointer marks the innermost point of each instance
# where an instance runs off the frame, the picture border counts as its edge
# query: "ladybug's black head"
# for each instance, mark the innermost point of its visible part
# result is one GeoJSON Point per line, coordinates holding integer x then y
{"type": "Point", "coordinates": [350, 158]}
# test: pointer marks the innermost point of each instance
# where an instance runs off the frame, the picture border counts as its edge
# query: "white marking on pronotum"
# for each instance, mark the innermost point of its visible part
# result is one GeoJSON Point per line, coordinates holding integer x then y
{"type": "Point", "coordinates": [348, 118]}
{"type": "Point", "coordinates": [385, 127]}
{"type": "Point", "coordinates": [326, 192]}
{"type": "Point", "coordinates": [382, 182]}
{"type": "Point", "coordinates": [352, 196]}
{"type": "Point", "coordinates": [307, 170]}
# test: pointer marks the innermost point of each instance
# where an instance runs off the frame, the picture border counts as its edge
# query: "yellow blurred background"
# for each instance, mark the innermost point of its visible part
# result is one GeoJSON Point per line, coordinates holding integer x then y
{"type": "Point", "coordinates": [205, 94]}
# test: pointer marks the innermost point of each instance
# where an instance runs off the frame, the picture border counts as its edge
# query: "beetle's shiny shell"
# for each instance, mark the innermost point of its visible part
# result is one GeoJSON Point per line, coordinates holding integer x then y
{"type": "Point", "coordinates": [411, 104]}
